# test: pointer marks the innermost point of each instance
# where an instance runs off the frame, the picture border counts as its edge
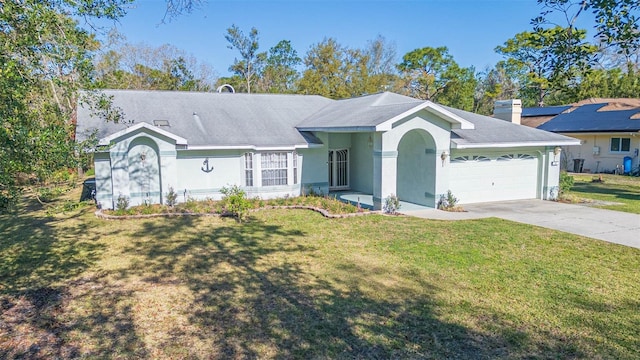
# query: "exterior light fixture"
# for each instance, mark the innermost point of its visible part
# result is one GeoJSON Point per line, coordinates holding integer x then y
{"type": "Point", "coordinates": [557, 150]}
{"type": "Point", "coordinates": [370, 141]}
{"type": "Point", "coordinates": [443, 156]}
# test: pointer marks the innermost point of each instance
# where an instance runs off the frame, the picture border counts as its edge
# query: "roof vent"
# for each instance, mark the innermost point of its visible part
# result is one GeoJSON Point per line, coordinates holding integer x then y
{"type": "Point", "coordinates": [225, 88]}
{"type": "Point", "coordinates": [161, 123]}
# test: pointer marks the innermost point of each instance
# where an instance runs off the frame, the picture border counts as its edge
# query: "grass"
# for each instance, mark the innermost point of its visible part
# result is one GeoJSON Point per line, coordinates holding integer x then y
{"type": "Point", "coordinates": [292, 284]}
{"type": "Point", "coordinates": [624, 191]}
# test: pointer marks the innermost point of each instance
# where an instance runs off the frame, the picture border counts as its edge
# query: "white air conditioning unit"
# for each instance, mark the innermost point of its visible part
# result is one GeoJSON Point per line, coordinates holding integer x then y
{"type": "Point", "coordinates": [596, 150]}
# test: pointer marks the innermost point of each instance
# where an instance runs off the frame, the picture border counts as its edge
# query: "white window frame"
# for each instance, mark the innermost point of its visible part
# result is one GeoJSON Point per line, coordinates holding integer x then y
{"type": "Point", "coordinates": [294, 171]}
{"type": "Point", "coordinates": [249, 168]}
{"type": "Point", "coordinates": [275, 163]}
{"type": "Point", "coordinates": [620, 148]}
{"type": "Point", "coordinates": [253, 161]}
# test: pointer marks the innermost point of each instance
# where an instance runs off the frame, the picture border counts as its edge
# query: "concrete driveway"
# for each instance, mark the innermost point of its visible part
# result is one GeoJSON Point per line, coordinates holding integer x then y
{"type": "Point", "coordinates": [612, 226]}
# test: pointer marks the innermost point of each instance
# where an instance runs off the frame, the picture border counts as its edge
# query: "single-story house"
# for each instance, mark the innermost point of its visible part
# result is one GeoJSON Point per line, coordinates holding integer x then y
{"type": "Point", "coordinates": [287, 145]}
{"type": "Point", "coordinates": [609, 131]}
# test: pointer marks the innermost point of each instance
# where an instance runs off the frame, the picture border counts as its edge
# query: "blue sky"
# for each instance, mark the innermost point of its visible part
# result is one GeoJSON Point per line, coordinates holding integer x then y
{"type": "Point", "coordinates": [471, 29]}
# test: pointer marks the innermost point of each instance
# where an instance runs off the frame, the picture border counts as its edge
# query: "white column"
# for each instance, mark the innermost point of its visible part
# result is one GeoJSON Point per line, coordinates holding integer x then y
{"type": "Point", "coordinates": [385, 168]}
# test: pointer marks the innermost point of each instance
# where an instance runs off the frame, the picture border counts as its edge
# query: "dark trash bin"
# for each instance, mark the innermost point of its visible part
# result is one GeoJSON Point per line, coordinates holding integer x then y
{"type": "Point", "coordinates": [577, 165]}
{"type": "Point", "coordinates": [88, 190]}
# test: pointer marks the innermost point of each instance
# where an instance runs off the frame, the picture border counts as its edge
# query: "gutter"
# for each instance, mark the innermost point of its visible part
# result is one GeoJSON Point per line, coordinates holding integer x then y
{"type": "Point", "coordinates": [455, 145]}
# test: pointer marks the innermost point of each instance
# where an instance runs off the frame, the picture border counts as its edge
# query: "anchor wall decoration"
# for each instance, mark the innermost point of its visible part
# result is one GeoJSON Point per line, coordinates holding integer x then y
{"type": "Point", "coordinates": [206, 167]}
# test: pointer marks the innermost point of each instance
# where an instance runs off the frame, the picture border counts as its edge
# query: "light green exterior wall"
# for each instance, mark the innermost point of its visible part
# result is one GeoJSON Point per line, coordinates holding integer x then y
{"type": "Point", "coordinates": [436, 140]}
{"type": "Point", "coordinates": [182, 170]}
{"type": "Point", "coordinates": [411, 159]}
{"type": "Point", "coordinates": [362, 162]}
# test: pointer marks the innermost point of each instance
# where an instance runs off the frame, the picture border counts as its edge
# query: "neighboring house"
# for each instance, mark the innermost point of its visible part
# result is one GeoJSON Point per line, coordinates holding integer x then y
{"type": "Point", "coordinates": [609, 130]}
{"type": "Point", "coordinates": [287, 145]}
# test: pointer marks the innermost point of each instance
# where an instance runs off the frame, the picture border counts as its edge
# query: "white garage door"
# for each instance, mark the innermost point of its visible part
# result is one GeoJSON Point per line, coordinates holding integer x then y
{"type": "Point", "coordinates": [478, 178]}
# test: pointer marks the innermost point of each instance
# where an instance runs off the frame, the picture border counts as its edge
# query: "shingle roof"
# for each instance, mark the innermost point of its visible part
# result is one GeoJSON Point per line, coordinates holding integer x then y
{"type": "Point", "coordinates": [220, 119]}
{"type": "Point", "coordinates": [365, 111]}
{"type": "Point", "coordinates": [269, 120]}
{"type": "Point", "coordinates": [588, 118]}
{"type": "Point", "coordinates": [490, 130]}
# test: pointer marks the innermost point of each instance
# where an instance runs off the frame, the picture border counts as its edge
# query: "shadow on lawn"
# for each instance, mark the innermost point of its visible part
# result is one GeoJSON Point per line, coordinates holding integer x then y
{"type": "Point", "coordinates": [256, 296]}
{"type": "Point", "coordinates": [617, 192]}
{"type": "Point", "coordinates": [41, 259]}
{"type": "Point", "coordinates": [36, 250]}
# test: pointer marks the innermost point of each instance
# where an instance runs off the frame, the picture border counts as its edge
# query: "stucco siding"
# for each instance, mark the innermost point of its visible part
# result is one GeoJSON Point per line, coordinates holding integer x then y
{"type": "Point", "coordinates": [102, 163]}
{"type": "Point", "coordinates": [313, 167]}
{"type": "Point", "coordinates": [201, 174]}
{"type": "Point", "coordinates": [362, 162]}
{"type": "Point", "coordinates": [596, 152]}
{"type": "Point", "coordinates": [339, 141]}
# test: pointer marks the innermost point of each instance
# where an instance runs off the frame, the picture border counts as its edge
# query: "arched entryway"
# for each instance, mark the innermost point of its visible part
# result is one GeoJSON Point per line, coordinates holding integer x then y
{"type": "Point", "coordinates": [144, 172]}
{"type": "Point", "coordinates": [416, 175]}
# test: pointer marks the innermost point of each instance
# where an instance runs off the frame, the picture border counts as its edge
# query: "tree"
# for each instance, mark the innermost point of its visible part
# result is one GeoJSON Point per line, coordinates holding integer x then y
{"type": "Point", "coordinates": [497, 83]}
{"type": "Point", "coordinates": [335, 71]}
{"type": "Point", "coordinates": [251, 62]}
{"type": "Point", "coordinates": [381, 65]}
{"type": "Point", "coordinates": [280, 74]}
{"type": "Point", "coordinates": [611, 83]}
{"type": "Point", "coordinates": [616, 21]}
{"type": "Point", "coordinates": [45, 57]}
{"type": "Point", "coordinates": [553, 60]}
{"type": "Point", "coordinates": [432, 74]}
{"type": "Point", "coordinates": [129, 66]}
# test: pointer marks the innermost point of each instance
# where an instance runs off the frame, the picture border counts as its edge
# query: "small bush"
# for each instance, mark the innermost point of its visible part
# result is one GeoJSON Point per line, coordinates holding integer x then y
{"type": "Point", "coordinates": [448, 202]}
{"type": "Point", "coordinates": [391, 204]}
{"type": "Point", "coordinates": [171, 198]}
{"type": "Point", "coordinates": [566, 182]}
{"type": "Point", "coordinates": [8, 199]}
{"type": "Point", "coordinates": [48, 194]}
{"type": "Point", "coordinates": [235, 201]}
{"type": "Point", "coordinates": [64, 176]}
{"type": "Point", "coordinates": [122, 203]}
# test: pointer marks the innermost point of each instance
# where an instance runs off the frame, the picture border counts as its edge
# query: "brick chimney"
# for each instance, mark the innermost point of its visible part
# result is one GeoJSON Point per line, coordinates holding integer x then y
{"type": "Point", "coordinates": [508, 110]}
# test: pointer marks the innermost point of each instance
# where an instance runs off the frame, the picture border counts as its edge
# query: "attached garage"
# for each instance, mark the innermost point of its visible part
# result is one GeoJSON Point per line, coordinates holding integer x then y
{"type": "Point", "coordinates": [494, 176]}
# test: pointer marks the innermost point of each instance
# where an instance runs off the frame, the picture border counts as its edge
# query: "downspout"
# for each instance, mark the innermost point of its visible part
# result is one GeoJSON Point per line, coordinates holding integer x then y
{"type": "Point", "coordinates": [543, 174]}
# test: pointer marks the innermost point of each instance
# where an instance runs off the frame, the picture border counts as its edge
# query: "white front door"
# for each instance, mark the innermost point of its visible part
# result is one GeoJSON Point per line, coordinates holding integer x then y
{"type": "Point", "coordinates": [338, 169]}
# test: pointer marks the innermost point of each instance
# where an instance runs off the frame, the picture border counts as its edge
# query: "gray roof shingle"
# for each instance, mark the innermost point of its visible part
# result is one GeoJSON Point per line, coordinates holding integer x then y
{"type": "Point", "coordinates": [220, 119]}
{"type": "Point", "coordinates": [270, 120]}
{"type": "Point", "coordinates": [490, 130]}
{"type": "Point", "coordinates": [361, 112]}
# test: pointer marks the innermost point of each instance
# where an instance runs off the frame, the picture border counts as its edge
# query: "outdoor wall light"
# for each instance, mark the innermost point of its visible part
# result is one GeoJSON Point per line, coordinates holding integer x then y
{"type": "Point", "coordinates": [370, 141]}
{"type": "Point", "coordinates": [443, 156]}
{"type": "Point", "coordinates": [557, 150]}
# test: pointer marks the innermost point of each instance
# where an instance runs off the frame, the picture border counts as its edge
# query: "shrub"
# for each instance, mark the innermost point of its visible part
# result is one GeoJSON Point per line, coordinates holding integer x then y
{"type": "Point", "coordinates": [48, 194]}
{"type": "Point", "coordinates": [391, 204]}
{"type": "Point", "coordinates": [235, 201]}
{"type": "Point", "coordinates": [566, 182]}
{"type": "Point", "coordinates": [172, 197]}
{"type": "Point", "coordinates": [448, 202]}
{"type": "Point", "coordinates": [122, 203]}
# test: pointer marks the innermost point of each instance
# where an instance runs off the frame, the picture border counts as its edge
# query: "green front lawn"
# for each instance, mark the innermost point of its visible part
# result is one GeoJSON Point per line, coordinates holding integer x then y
{"type": "Point", "coordinates": [293, 284]}
{"type": "Point", "coordinates": [624, 191]}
